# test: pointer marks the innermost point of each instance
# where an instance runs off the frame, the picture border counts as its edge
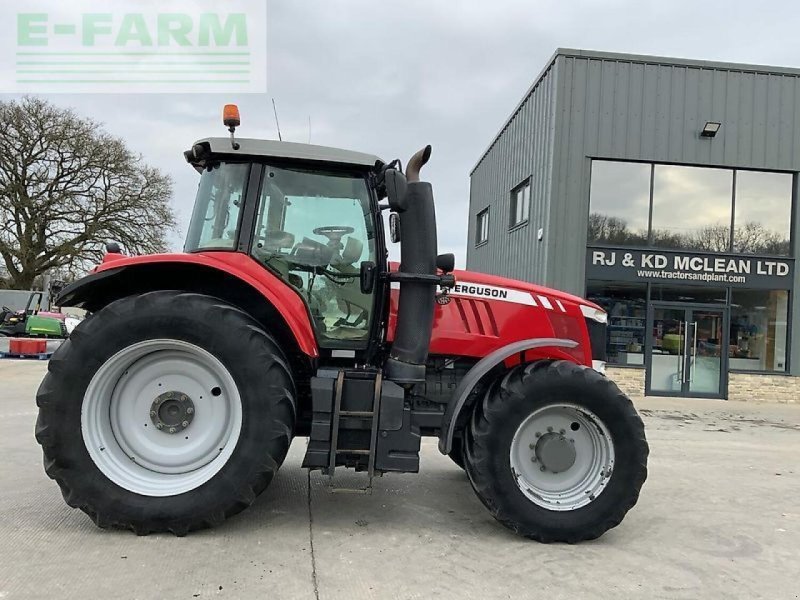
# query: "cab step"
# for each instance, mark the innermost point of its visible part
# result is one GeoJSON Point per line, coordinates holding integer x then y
{"type": "Point", "coordinates": [360, 421]}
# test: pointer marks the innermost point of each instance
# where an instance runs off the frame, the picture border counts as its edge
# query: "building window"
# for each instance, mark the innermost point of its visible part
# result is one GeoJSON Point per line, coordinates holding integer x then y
{"type": "Point", "coordinates": [688, 293]}
{"type": "Point", "coordinates": [520, 203]}
{"type": "Point", "coordinates": [758, 330]}
{"type": "Point", "coordinates": [692, 208]}
{"type": "Point", "coordinates": [619, 203]}
{"type": "Point", "coordinates": [763, 208]}
{"type": "Point", "coordinates": [626, 305]}
{"type": "Point", "coordinates": [482, 227]}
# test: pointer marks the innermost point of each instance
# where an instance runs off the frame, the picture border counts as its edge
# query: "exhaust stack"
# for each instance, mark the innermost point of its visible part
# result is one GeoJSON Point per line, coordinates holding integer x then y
{"type": "Point", "coordinates": [412, 199]}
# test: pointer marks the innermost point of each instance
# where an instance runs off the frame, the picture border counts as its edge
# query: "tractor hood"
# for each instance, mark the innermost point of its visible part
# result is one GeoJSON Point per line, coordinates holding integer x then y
{"type": "Point", "coordinates": [503, 283]}
{"type": "Point", "coordinates": [494, 286]}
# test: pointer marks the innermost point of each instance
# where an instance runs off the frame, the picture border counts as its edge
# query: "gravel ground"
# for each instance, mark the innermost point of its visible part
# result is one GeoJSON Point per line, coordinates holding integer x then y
{"type": "Point", "coordinates": [718, 518]}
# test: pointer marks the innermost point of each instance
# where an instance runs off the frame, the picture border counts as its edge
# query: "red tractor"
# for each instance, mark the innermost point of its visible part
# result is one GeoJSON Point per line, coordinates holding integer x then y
{"type": "Point", "coordinates": [174, 404]}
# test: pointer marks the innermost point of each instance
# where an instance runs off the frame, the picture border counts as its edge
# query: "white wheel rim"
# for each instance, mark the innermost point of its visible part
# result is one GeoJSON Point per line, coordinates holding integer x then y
{"type": "Point", "coordinates": [561, 486]}
{"type": "Point", "coordinates": [120, 431]}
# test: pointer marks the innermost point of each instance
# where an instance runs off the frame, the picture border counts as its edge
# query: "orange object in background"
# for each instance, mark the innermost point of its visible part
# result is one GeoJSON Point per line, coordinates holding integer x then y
{"type": "Point", "coordinates": [26, 346]}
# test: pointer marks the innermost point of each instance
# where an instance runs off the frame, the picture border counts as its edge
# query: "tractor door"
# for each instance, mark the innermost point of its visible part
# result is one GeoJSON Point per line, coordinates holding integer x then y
{"type": "Point", "coordinates": [315, 229]}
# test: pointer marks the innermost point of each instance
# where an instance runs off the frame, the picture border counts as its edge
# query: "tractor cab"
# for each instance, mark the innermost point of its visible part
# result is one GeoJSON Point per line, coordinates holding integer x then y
{"type": "Point", "coordinates": [310, 218]}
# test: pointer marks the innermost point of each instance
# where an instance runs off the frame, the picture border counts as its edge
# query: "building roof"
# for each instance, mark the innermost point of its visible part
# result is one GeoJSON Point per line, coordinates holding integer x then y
{"type": "Point", "coordinates": [289, 150]}
{"type": "Point", "coordinates": [633, 58]}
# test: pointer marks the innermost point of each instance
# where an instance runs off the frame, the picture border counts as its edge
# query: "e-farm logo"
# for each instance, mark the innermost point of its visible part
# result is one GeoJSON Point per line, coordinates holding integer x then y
{"type": "Point", "coordinates": [136, 46]}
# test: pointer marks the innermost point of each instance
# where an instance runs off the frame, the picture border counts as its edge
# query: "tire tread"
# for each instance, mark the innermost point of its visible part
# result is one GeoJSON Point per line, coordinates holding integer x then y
{"type": "Point", "coordinates": [512, 387]}
{"type": "Point", "coordinates": [50, 433]}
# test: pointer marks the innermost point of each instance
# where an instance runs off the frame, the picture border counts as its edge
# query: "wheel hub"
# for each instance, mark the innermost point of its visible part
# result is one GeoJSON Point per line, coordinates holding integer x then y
{"type": "Point", "coordinates": [153, 376]}
{"type": "Point", "coordinates": [172, 412]}
{"type": "Point", "coordinates": [562, 456]}
{"type": "Point", "coordinates": [555, 452]}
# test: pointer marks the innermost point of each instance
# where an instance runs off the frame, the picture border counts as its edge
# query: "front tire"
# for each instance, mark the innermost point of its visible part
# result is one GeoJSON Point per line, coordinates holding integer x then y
{"type": "Point", "coordinates": [167, 411]}
{"type": "Point", "coordinates": [556, 452]}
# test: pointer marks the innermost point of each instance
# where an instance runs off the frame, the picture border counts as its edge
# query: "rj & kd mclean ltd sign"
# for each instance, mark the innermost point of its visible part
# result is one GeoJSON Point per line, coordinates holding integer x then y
{"type": "Point", "coordinates": [689, 268]}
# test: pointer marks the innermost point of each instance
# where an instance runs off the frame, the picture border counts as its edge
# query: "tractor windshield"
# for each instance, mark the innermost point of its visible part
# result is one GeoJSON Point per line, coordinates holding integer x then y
{"type": "Point", "coordinates": [315, 229]}
{"type": "Point", "coordinates": [216, 213]}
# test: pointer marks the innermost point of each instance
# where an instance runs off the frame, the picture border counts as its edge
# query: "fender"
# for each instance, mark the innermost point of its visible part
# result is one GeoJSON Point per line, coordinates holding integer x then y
{"type": "Point", "coordinates": [476, 373]}
{"type": "Point", "coordinates": [240, 276]}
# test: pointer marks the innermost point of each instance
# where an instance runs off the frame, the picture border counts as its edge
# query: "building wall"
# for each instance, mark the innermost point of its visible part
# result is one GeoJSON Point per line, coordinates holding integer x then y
{"type": "Point", "coordinates": [524, 149]}
{"type": "Point", "coordinates": [619, 106]}
{"type": "Point", "coordinates": [743, 387]}
{"type": "Point", "coordinates": [638, 108]}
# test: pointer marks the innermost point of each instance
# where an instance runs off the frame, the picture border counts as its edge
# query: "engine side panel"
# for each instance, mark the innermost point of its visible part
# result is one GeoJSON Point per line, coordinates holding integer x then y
{"type": "Point", "coordinates": [484, 313]}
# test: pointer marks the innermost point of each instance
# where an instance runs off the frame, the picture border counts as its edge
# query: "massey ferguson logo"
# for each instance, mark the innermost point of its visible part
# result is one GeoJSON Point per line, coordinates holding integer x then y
{"type": "Point", "coordinates": [479, 290]}
{"type": "Point", "coordinates": [490, 291]}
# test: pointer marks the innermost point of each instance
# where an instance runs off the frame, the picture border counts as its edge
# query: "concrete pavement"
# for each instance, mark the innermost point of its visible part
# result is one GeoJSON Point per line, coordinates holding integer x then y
{"type": "Point", "coordinates": [718, 518]}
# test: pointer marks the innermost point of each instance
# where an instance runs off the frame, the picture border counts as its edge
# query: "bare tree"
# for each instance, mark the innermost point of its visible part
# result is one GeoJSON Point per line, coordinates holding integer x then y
{"type": "Point", "coordinates": [613, 230]}
{"type": "Point", "coordinates": [66, 188]}
{"type": "Point", "coordinates": [754, 238]}
{"type": "Point", "coordinates": [714, 238]}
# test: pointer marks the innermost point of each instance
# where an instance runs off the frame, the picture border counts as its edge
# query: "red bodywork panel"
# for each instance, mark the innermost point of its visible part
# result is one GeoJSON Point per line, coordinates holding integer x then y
{"type": "Point", "coordinates": [242, 266]}
{"type": "Point", "coordinates": [486, 312]}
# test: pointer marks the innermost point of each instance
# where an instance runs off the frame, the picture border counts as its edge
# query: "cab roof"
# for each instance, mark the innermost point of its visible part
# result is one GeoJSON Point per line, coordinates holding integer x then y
{"type": "Point", "coordinates": [221, 148]}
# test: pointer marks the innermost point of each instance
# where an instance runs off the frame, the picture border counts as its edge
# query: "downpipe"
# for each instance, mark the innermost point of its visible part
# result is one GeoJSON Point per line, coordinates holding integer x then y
{"type": "Point", "coordinates": [412, 199]}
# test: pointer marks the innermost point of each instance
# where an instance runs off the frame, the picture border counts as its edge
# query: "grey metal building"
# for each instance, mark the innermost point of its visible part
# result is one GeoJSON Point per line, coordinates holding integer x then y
{"type": "Point", "coordinates": [665, 189]}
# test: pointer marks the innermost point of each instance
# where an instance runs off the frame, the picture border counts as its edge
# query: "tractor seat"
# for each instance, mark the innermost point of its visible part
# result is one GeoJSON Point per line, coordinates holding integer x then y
{"type": "Point", "coordinates": [351, 253]}
{"type": "Point", "coordinates": [275, 241]}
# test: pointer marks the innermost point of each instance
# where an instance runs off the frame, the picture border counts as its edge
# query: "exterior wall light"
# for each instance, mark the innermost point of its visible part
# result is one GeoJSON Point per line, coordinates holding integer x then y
{"type": "Point", "coordinates": [710, 129]}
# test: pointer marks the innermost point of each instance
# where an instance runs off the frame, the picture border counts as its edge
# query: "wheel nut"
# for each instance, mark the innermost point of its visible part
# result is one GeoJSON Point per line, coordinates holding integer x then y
{"type": "Point", "coordinates": [542, 468]}
{"type": "Point", "coordinates": [172, 430]}
{"type": "Point", "coordinates": [152, 413]}
{"type": "Point", "coordinates": [538, 434]}
{"type": "Point", "coordinates": [532, 446]}
{"type": "Point", "coordinates": [549, 430]}
{"type": "Point", "coordinates": [189, 410]}
{"type": "Point", "coordinates": [185, 423]}
{"type": "Point", "coordinates": [159, 426]}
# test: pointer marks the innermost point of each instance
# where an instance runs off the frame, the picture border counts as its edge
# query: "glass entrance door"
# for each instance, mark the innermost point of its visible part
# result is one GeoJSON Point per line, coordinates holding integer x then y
{"type": "Point", "coordinates": [686, 351]}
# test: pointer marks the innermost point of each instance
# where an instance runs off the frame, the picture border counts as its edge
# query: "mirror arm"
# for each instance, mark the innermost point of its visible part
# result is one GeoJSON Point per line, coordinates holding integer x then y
{"type": "Point", "coordinates": [447, 281]}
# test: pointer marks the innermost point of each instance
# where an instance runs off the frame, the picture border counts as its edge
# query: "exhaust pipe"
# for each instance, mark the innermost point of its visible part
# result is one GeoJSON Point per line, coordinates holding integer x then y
{"type": "Point", "coordinates": [412, 199]}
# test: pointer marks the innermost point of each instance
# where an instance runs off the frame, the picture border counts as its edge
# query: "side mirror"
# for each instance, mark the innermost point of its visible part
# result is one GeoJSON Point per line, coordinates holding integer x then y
{"type": "Point", "coordinates": [367, 277]}
{"type": "Point", "coordinates": [394, 227]}
{"type": "Point", "coordinates": [446, 263]}
{"type": "Point", "coordinates": [396, 188]}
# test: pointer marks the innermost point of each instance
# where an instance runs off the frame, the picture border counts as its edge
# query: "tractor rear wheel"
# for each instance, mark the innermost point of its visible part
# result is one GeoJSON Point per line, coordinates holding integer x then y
{"type": "Point", "coordinates": [457, 453]}
{"type": "Point", "coordinates": [556, 452]}
{"type": "Point", "coordinates": [168, 411]}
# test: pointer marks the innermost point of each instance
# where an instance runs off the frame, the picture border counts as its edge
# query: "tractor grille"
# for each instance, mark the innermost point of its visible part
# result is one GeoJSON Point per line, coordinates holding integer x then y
{"type": "Point", "coordinates": [597, 338]}
{"type": "Point", "coordinates": [64, 330]}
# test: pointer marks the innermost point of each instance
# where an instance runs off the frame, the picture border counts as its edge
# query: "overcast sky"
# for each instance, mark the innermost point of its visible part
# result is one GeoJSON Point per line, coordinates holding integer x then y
{"type": "Point", "coordinates": [389, 77]}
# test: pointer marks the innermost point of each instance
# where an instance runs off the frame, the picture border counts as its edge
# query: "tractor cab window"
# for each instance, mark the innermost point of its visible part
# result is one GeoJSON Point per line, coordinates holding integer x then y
{"type": "Point", "coordinates": [315, 229]}
{"type": "Point", "coordinates": [220, 195]}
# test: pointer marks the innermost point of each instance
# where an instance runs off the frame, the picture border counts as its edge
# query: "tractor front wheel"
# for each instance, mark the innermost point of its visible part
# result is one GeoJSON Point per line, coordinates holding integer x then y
{"type": "Point", "coordinates": [556, 452]}
{"type": "Point", "coordinates": [167, 411]}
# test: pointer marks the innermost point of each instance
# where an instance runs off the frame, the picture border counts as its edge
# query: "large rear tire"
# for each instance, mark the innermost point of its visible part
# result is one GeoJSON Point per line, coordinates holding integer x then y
{"type": "Point", "coordinates": [556, 452]}
{"type": "Point", "coordinates": [168, 411]}
{"type": "Point", "coordinates": [457, 453]}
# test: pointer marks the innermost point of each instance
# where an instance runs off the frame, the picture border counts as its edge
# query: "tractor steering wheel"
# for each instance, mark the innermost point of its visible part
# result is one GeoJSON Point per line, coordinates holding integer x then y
{"type": "Point", "coordinates": [334, 233]}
